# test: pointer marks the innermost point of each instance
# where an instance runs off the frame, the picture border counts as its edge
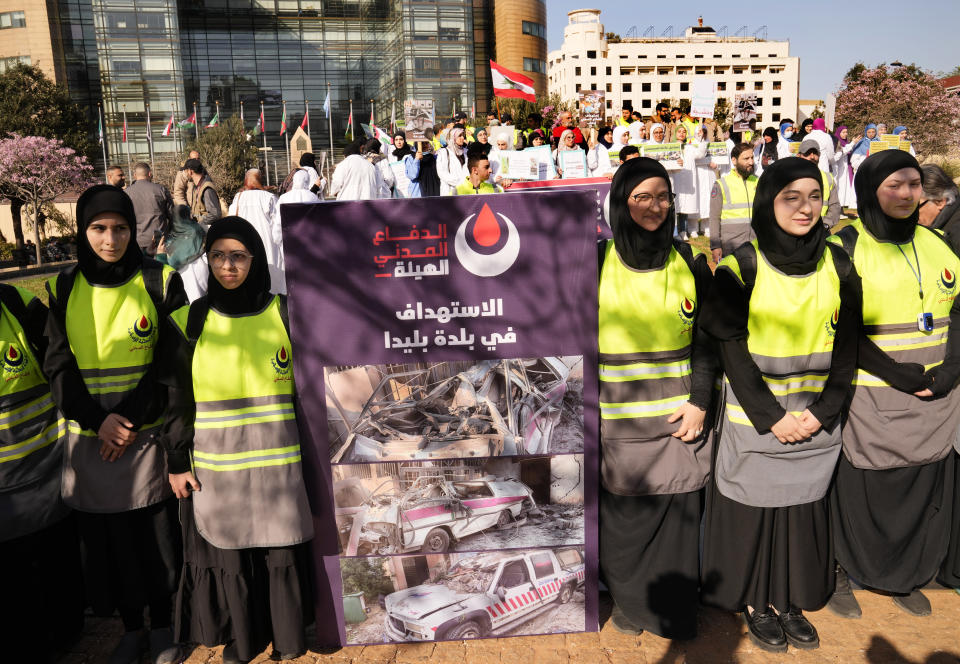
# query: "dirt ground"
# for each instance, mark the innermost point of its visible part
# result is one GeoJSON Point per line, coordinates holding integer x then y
{"type": "Point", "coordinates": [885, 635]}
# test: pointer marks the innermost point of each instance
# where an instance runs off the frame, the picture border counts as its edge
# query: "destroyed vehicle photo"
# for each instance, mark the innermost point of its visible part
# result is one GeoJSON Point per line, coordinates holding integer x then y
{"type": "Point", "coordinates": [459, 505]}
{"type": "Point", "coordinates": [466, 596]}
{"type": "Point", "coordinates": [455, 409]}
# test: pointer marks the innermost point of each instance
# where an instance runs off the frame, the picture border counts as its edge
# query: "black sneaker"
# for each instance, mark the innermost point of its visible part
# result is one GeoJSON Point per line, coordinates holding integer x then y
{"type": "Point", "coordinates": [842, 602]}
{"type": "Point", "coordinates": [622, 624]}
{"type": "Point", "coordinates": [131, 646]}
{"type": "Point", "coordinates": [798, 630]}
{"type": "Point", "coordinates": [230, 655]}
{"type": "Point", "coordinates": [916, 603]}
{"type": "Point", "coordinates": [765, 630]}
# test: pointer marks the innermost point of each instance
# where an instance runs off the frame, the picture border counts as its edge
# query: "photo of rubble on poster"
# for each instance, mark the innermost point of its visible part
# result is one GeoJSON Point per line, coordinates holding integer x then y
{"type": "Point", "coordinates": [454, 596]}
{"type": "Point", "coordinates": [456, 409]}
{"type": "Point", "coordinates": [494, 503]}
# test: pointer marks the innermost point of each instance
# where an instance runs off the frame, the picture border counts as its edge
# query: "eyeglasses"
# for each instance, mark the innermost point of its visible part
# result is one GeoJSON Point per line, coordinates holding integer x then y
{"type": "Point", "coordinates": [663, 200]}
{"type": "Point", "coordinates": [238, 258]}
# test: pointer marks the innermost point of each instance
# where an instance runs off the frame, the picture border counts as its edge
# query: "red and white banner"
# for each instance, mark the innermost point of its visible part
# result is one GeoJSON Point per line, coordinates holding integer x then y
{"type": "Point", "coordinates": [507, 83]}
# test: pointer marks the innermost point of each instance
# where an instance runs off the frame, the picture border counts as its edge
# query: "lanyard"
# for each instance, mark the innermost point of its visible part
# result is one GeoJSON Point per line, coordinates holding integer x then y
{"type": "Point", "coordinates": [916, 273]}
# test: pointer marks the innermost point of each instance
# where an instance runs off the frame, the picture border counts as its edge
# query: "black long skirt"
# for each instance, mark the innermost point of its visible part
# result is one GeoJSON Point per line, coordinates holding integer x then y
{"type": "Point", "coordinates": [250, 597]}
{"type": "Point", "coordinates": [132, 560]}
{"type": "Point", "coordinates": [950, 569]}
{"type": "Point", "coordinates": [42, 607]}
{"type": "Point", "coordinates": [649, 551]}
{"type": "Point", "coordinates": [892, 527]}
{"type": "Point", "coordinates": [760, 556]}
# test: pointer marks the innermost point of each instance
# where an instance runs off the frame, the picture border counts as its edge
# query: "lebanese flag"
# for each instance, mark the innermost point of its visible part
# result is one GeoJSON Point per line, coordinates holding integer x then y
{"type": "Point", "coordinates": [166, 132]}
{"type": "Point", "coordinates": [124, 127]}
{"type": "Point", "coordinates": [303, 125]}
{"type": "Point", "coordinates": [511, 84]}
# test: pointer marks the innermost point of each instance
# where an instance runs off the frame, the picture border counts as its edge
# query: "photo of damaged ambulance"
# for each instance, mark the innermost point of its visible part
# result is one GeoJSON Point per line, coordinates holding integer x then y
{"type": "Point", "coordinates": [488, 594]}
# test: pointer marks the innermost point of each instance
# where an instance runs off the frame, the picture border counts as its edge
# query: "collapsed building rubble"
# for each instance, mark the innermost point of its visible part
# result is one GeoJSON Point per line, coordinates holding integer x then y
{"type": "Point", "coordinates": [429, 515]}
{"type": "Point", "coordinates": [494, 408]}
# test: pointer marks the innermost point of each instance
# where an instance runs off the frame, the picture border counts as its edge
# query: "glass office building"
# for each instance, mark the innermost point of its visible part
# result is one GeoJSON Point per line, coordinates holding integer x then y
{"type": "Point", "coordinates": [162, 57]}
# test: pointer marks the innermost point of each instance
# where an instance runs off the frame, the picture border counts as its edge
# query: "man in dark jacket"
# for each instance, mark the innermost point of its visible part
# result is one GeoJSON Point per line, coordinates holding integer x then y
{"type": "Point", "coordinates": [153, 206]}
{"type": "Point", "coordinates": [940, 205]}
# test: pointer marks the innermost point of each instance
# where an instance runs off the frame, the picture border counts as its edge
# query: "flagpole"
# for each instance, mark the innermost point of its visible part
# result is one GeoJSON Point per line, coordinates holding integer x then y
{"type": "Point", "coordinates": [149, 135]}
{"type": "Point", "coordinates": [196, 122]}
{"type": "Point", "coordinates": [306, 111]}
{"type": "Point", "coordinates": [353, 129]}
{"type": "Point", "coordinates": [373, 119]}
{"type": "Point", "coordinates": [173, 126]}
{"type": "Point", "coordinates": [330, 126]}
{"type": "Point", "coordinates": [126, 140]}
{"type": "Point", "coordinates": [216, 114]}
{"type": "Point", "coordinates": [263, 131]}
{"type": "Point", "coordinates": [103, 141]}
{"type": "Point", "coordinates": [286, 136]}
{"type": "Point", "coordinates": [241, 113]}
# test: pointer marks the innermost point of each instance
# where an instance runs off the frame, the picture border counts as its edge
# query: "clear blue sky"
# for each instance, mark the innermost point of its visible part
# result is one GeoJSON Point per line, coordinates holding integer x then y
{"type": "Point", "coordinates": [827, 36]}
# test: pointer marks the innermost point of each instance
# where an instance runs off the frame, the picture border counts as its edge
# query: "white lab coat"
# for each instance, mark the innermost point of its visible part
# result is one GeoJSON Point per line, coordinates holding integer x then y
{"type": "Point", "coordinates": [450, 171]}
{"type": "Point", "coordinates": [355, 179]}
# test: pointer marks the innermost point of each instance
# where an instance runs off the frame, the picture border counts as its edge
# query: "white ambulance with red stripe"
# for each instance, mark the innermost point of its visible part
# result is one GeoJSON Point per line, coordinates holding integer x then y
{"type": "Point", "coordinates": [484, 595]}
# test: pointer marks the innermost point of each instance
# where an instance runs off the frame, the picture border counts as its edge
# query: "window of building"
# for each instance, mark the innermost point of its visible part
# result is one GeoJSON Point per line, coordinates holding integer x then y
{"type": "Point", "coordinates": [680, 56]}
{"type": "Point", "coordinates": [771, 55]}
{"type": "Point", "coordinates": [775, 117]}
{"type": "Point", "coordinates": [741, 85]}
{"type": "Point", "coordinates": [645, 87]}
{"type": "Point", "coordinates": [721, 85]}
{"type": "Point", "coordinates": [593, 71]}
{"type": "Point", "coordinates": [736, 55]}
{"type": "Point", "coordinates": [608, 71]}
{"type": "Point", "coordinates": [591, 55]}
{"type": "Point", "coordinates": [776, 70]}
{"type": "Point", "coordinates": [537, 30]}
{"type": "Point", "coordinates": [7, 63]}
{"type": "Point", "coordinates": [756, 70]}
{"type": "Point", "coordinates": [664, 71]}
{"type": "Point", "coordinates": [576, 70]}
{"type": "Point", "coordinates": [628, 87]}
{"type": "Point", "coordinates": [684, 87]}
{"type": "Point", "coordinates": [12, 20]}
{"type": "Point", "coordinates": [623, 57]}
{"type": "Point", "coordinates": [739, 70]}
{"type": "Point", "coordinates": [759, 101]}
{"type": "Point", "coordinates": [538, 66]}
{"type": "Point", "coordinates": [698, 56]}
{"type": "Point", "coordinates": [627, 102]}
{"type": "Point", "coordinates": [609, 87]}
{"type": "Point", "coordinates": [776, 101]}
{"type": "Point", "coordinates": [754, 55]}
{"type": "Point", "coordinates": [777, 85]}
{"type": "Point", "coordinates": [577, 87]}
{"type": "Point", "coordinates": [759, 118]}
{"type": "Point", "coordinates": [758, 85]}
{"type": "Point", "coordinates": [609, 104]}
{"type": "Point", "coordinates": [661, 57]}
{"type": "Point", "coordinates": [645, 103]}
{"type": "Point", "coordinates": [717, 55]}
{"type": "Point", "coordinates": [664, 87]}
{"type": "Point", "coordinates": [641, 57]}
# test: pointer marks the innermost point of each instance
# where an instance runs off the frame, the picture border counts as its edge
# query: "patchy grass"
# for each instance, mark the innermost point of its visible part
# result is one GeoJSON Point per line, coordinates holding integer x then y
{"type": "Point", "coordinates": [35, 285]}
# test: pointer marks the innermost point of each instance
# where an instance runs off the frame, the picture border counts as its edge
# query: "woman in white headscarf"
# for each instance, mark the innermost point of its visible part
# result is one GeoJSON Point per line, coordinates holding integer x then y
{"type": "Point", "coordinates": [568, 141]}
{"type": "Point", "coordinates": [452, 162]}
{"type": "Point", "coordinates": [599, 163]}
{"type": "Point", "coordinates": [657, 133]}
{"type": "Point", "coordinates": [299, 189]}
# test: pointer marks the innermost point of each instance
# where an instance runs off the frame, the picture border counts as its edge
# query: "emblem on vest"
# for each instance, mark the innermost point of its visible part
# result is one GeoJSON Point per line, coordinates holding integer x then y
{"type": "Point", "coordinates": [831, 325]}
{"type": "Point", "coordinates": [281, 364]}
{"type": "Point", "coordinates": [687, 313]}
{"type": "Point", "coordinates": [143, 333]}
{"type": "Point", "coordinates": [947, 283]}
{"type": "Point", "coordinates": [15, 363]}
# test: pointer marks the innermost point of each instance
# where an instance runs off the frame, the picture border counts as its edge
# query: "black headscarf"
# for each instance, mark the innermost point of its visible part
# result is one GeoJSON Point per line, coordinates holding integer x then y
{"type": "Point", "coordinates": [428, 178]}
{"type": "Point", "coordinates": [872, 172]}
{"type": "Point", "coordinates": [770, 149]}
{"type": "Point", "coordinates": [96, 200]}
{"type": "Point", "coordinates": [254, 293]}
{"type": "Point", "coordinates": [401, 152]}
{"type": "Point", "coordinates": [787, 253]}
{"type": "Point", "coordinates": [600, 134]}
{"type": "Point", "coordinates": [638, 248]}
{"type": "Point", "coordinates": [308, 159]}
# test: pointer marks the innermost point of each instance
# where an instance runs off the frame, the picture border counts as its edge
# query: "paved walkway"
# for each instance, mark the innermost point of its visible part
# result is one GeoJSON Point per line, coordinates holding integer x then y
{"type": "Point", "coordinates": [885, 635]}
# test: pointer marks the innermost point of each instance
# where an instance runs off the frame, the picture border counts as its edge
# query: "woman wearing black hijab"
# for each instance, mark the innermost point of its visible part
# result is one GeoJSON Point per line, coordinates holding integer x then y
{"type": "Point", "coordinates": [768, 150]}
{"type": "Point", "coordinates": [234, 457]}
{"type": "Point", "coordinates": [892, 498]}
{"type": "Point", "coordinates": [656, 385]}
{"type": "Point", "coordinates": [106, 319]}
{"type": "Point", "coordinates": [784, 310]}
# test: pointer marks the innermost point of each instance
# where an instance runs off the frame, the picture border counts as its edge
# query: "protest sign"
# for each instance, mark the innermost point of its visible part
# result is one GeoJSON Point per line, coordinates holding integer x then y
{"type": "Point", "coordinates": [600, 187]}
{"type": "Point", "coordinates": [456, 335]}
{"type": "Point", "coordinates": [418, 118]}
{"type": "Point", "coordinates": [703, 98]}
{"type": "Point", "coordinates": [518, 165]}
{"type": "Point", "coordinates": [904, 145]}
{"type": "Point", "coordinates": [572, 163]}
{"type": "Point", "coordinates": [403, 182]}
{"type": "Point", "coordinates": [744, 110]}
{"type": "Point", "coordinates": [893, 139]}
{"type": "Point", "coordinates": [830, 112]}
{"type": "Point", "coordinates": [718, 153]}
{"type": "Point", "coordinates": [592, 108]}
{"type": "Point", "coordinates": [668, 154]}
{"type": "Point", "coordinates": [874, 147]}
{"type": "Point", "coordinates": [794, 147]}
{"type": "Point", "coordinates": [544, 156]}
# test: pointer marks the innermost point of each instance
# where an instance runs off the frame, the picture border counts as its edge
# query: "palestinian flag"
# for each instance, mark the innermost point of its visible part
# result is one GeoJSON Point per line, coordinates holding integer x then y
{"type": "Point", "coordinates": [166, 131]}
{"type": "Point", "coordinates": [189, 122]}
{"type": "Point", "coordinates": [214, 121]}
{"type": "Point", "coordinates": [283, 121]}
{"type": "Point", "coordinates": [507, 83]}
{"type": "Point", "coordinates": [306, 122]}
{"type": "Point", "coordinates": [258, 128]}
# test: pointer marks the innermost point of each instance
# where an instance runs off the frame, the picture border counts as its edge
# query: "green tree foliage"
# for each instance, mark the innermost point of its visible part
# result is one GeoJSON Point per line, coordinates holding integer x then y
{"type": "Point", "coordinates": [549, 106]}
{"type": "Point", "coordinates": [226, 154]}
{"type": "Point", "coordinates": [721, 112]}
{"type": "Point", "coordinates": [365, 575]}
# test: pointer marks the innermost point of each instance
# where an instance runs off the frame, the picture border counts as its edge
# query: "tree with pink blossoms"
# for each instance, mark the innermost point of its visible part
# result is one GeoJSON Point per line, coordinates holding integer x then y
{"type": "Point", "coordinates": [37, 170]}
{"type": "Point", "coordinates": [905, 95]}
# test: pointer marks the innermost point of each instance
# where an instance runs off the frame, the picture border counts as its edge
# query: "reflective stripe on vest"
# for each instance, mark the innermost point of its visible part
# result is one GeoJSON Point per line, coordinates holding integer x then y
{"type": "Point", "coordinates": [239, 412]}
{"type": "Point", "coordinates": [737, 196]}
{"type": "Point", "coordinates": [791, 328]}
{"type": "Point", "coordinates": [277, 456]}
{"type": "Point", "coordinates": [828, 184]}
{"type": "Point", "coordinates": [887, 428]}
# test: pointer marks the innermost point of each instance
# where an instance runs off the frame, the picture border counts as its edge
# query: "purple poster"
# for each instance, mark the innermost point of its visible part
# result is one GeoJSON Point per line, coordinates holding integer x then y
{"type": "Point", "coordinates": [445, 359]}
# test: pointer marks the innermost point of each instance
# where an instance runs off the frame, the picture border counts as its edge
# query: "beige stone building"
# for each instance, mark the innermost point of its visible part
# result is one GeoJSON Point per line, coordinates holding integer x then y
{"type": "Point", "coordinates": [27, 35]}
{"type": "Point", "coordinates": [520, 38]}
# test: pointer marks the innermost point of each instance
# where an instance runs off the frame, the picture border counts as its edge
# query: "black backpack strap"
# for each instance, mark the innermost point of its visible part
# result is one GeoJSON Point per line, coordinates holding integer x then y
{"type": "Point", "coordinates": [10, 298]}
{"type": "Point", "coordinates": [746, 255]}
{"type": "Point", "coordinates": [841, 261]}
{"type": "Point", "coordinates": [848, 238]}
{"type": "Point", "coordinates": [64, 285]}
{"type": "Point", "coordinates": [686, 252]}
{"type": "Point", "coordinates": [601, 256]}
{"type": "Point", "coordinates": [196, 318]}
{"type": "Point", "coordinates": [153, 281]}
{"type": "Point", "coordinates": [284, 314]}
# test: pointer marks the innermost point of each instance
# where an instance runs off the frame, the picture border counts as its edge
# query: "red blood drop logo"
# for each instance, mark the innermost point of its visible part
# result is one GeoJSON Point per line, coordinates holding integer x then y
{"type": "Point", "coordinates": [486, 231]}
{"type": "Point", "coordinates": [144, 323]}
{"type": "Point", "coordinates": [12, 353]}
{"type": "Point", "coordinates": [283, 354]}
{"type": "Point", "coordinates": [948, 274]}
{"type": "Point", "coordinates": [687, 304]}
